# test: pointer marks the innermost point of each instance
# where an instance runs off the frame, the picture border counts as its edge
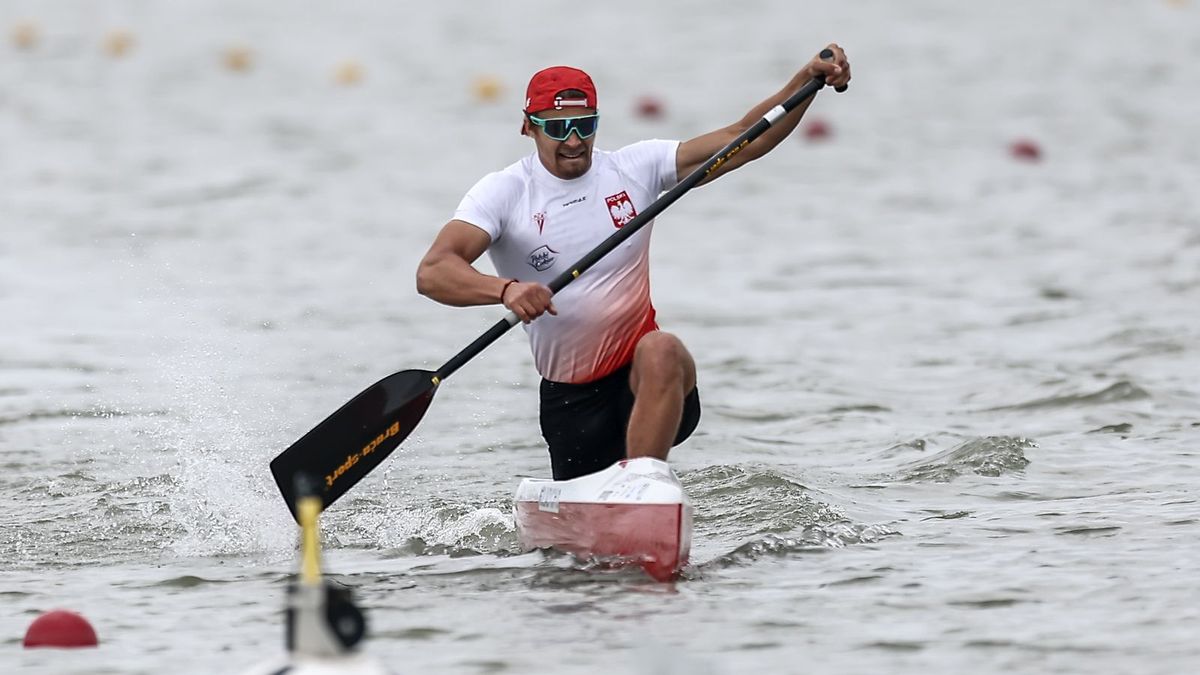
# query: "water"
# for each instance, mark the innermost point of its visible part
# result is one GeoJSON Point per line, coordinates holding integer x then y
{"type": "Point", "coordinates": [951, 398]}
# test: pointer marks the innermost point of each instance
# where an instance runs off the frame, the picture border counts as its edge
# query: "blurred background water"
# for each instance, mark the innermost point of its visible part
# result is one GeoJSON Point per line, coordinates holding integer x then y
{"type": "Point", "coordinates": [951, 395]}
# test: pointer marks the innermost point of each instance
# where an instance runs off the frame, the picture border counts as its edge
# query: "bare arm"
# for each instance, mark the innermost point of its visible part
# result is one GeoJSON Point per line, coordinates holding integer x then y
{"type": "Point", "coordinates": [693, 153]}
{"type": "Point", "coordinates": [446, 274]}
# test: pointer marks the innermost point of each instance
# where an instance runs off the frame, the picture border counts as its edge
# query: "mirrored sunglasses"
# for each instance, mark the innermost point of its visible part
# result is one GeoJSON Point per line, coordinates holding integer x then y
{"type": "Point", "coordinates": [560, 128]}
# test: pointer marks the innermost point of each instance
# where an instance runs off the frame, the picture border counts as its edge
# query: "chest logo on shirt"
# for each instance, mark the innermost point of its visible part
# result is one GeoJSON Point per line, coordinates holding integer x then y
{"type": "Point", "coordinates": [542, 258]}
{"type": "Point", "coordinates": [620, 207]}
{"type": "Point", "coordinates": [539, 219]}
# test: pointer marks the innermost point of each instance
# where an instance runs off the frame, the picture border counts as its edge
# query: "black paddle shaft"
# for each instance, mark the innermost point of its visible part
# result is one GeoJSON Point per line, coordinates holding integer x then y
{"type": "Point", "coordinates": [640, 220]}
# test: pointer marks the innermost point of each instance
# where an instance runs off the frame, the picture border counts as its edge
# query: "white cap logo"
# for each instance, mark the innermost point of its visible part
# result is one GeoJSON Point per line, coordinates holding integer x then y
{"type": "Point", "coordinates": [560, 103]}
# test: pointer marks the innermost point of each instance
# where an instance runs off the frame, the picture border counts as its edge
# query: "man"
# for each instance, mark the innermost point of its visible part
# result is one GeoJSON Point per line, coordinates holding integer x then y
{"type": "Point", "coordinates": [614, 385]}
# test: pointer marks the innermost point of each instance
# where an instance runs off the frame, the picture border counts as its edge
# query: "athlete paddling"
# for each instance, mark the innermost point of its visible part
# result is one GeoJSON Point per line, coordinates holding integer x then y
{"type": "Point", "coordinates": [614, 385]}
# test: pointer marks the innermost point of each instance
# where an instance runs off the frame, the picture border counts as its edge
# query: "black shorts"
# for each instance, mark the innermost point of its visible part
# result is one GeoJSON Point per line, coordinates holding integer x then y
{"type": "Point", "coordinates": [584, 424]}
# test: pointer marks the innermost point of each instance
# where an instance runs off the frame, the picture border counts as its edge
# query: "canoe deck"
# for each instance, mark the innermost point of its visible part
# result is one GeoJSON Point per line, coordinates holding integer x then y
{"type": "Point", "coordinates": [634, 512]}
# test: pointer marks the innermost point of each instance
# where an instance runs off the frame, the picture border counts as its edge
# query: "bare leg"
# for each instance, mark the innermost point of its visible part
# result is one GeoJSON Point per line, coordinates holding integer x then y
{"type": "Point", "coordinates": [663, 375]}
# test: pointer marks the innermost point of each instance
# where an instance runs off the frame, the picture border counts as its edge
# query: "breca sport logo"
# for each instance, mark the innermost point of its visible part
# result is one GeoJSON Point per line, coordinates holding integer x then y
{"type": "Point", "coordinates": [367, 449]}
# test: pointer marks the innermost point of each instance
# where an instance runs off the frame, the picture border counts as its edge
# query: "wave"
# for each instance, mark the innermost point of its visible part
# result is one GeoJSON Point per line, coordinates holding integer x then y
{"type": "Point", "coordinates": [98, 413]}
{"type": "Point", "coordinates": [80, 519]}
{"type": "Point", "coordinates": [770, 513]}
{"type": "Point", "coordinates": [735, 502]}
{"type": "Point", "coordinates": [429, 529]}
{"type": "Point", "coordinates": [985, 456]}
{"type": "Point", "coordinates": [201, 510]}
{"type": "Point", "coordinates": [1115, 393]}
{"type": "Point", "coordinates": [767, 511]}
{"type": "Point", "coordinates": [811, 539]}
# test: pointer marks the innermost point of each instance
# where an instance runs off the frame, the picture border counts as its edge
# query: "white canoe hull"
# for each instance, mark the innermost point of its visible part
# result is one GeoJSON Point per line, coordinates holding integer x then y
{"type": "Point", "coordinates": [634, 511]}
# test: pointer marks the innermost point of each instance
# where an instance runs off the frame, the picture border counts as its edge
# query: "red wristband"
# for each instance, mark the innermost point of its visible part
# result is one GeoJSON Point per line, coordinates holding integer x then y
{"type": "Point", "coordinates": [505, 288]}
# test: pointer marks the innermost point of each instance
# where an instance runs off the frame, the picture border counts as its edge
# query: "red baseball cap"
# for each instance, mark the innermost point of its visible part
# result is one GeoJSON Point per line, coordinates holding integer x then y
{"type": "Point", "coordinates": [546, 85]}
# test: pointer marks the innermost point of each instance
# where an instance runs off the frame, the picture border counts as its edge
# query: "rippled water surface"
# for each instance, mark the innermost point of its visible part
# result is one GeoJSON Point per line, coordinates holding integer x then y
{"type": "Point", "coordinates": [951, 398]}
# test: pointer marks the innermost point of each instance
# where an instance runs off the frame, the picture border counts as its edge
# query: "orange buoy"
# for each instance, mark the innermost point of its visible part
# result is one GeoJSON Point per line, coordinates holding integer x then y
{"type": "Point", "coordinates": [487, 88]}
{"type": "Point", "coordinates": [25, 35]}
{"type": "Point", "coordinates": [60, 628]}
{"type": "Point", "coordinates": [238, 59]}
{"type": "Point", "coordinates": [348, 73]}
{"type": "Point", "coordinates": [118, 43]}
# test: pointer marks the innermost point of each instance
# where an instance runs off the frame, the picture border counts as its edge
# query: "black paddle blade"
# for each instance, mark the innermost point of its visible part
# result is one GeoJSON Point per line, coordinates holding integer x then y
{"type": "Point", "coordinates": [358, 437]}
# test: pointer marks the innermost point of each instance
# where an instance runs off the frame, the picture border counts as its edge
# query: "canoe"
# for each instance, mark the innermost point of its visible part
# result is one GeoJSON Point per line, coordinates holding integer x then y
{"type": "Point", "coordinates": [634, 512]}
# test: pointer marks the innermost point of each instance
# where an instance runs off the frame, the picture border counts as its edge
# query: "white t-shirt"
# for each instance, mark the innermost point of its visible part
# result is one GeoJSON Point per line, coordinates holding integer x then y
{"type": "Point", "coordinates": [541, 225]}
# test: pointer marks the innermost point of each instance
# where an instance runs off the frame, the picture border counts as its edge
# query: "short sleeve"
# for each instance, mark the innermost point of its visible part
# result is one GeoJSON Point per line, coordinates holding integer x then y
{"type": "Point", "coordinates": [486, 202]}
{"type": "Point", "coordinates": [652, 162]}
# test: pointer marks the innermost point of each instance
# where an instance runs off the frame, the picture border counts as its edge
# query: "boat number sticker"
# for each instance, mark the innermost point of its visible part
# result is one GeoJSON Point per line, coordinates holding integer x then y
{"type": "Point", "coordinates": [632, 491]}
{"type": "Point", "coordinates": [548, 499]}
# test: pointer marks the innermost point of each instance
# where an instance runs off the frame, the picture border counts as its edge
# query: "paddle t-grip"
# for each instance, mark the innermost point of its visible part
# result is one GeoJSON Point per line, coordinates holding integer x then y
{"type": "Point", "coordinates": [827, 55]}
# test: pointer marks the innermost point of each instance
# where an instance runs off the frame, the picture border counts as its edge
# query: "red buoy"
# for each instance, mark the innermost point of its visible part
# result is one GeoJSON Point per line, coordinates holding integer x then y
{"type": "Point", "coordinates": [1025, 150]}
{"type": "Point", "coordinates": [817, 129]}
{"type": "Point", "coordinates": [60, 628]}
{"type": "Point", "coordinates": [649, 107]}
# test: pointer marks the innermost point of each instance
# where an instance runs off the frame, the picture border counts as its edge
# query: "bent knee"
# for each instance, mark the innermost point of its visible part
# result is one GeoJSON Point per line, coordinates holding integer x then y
{"type": "Point", "coordinates": [662, 357]}
{"type": "Point", "coordinates": [661, 347]}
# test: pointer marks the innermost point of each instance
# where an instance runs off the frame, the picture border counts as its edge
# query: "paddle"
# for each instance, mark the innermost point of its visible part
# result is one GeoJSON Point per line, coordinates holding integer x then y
{"type": "Point", "coordinates": [354, 440]}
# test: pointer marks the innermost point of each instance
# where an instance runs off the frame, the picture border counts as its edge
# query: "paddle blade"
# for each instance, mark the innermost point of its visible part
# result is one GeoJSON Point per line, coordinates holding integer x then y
{"type": "Point", "coordinates": [344, 448]}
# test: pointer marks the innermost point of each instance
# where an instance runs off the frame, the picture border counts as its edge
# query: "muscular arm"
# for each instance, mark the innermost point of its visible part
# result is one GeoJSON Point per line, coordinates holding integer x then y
{"type": "Point", "coordinates": [693, 153]}
{"type": "Point", "coordinates": [446, 274]}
